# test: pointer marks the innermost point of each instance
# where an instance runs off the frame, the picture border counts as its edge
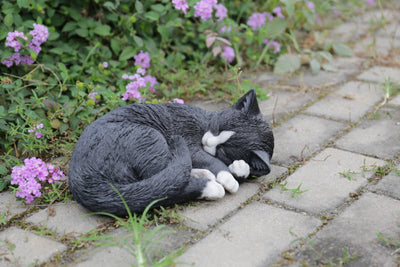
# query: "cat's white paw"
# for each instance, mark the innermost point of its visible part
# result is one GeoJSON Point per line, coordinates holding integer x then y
{"type": "Point", "coordinates": [228, 181]}
{"type": "Point", "coordinates": [240, 168]}
{"type": "Point", "coordinates": [213, 191]}
{"type": "Point", "coordinates": [202, 173]}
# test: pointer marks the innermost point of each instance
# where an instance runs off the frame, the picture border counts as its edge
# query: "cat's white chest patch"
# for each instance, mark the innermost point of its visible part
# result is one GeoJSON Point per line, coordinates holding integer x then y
{"type": "Point", "coordinates": [210, 141]}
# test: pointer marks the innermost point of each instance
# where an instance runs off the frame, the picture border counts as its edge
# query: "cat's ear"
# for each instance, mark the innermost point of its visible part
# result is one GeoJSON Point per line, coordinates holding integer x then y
{"type": "Point", "coordinates": [248, 103]}
{"type": "Point", "coordinates": [260, 162]}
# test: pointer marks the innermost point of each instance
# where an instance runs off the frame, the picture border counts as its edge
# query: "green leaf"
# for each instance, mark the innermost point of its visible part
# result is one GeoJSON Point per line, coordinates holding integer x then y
{"type": "Point", "coordinates": [102, 30]}
{"type": "Point", "coordinates": [151, 15]}
{"type": "Point", "coordinates": [139, 6]}
{"type": "Point", "coordinates": [289, 6]}
{"type": "Point", "coordinates": [329, 67]}
{"type": "Point", "coordinates": [8, 20]}
{"type": "Point", "coordinates": [138, 40]}
{"type": "Point", "coordinates": [69, 26]}
{"type": "Point", "coordinates": [23, 3]}
{"type": "Point", "coordinates": [287, 63]}
{"type": "Point", "coordinates": [315, 66]}
{"type": "Point", "coordinates": [3, 170]}
{"type": "Point", "coordinates": [342, 50]}
{"type": "Point", "coordinates": [158, 8]}
{"type": "Point", "coordinates": [164, 31]}
{"type": "Point", "coordinates": [3, 184]}
{"type": "Point", "coordinates": [115, 46]}
{"type": "Point", "coordinates": [275, 28]}
{"type": "Point", "coordinates": [82, 32]}
{"type": "Point", "coordinates": [127, 53]}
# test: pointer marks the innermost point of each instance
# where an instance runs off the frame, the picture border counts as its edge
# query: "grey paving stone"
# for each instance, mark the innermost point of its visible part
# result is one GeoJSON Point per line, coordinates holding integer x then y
{"type": "Point", "coordinates": [301, 136]}
{"type": "Point", "coordinates": [356, 230]}
{"type": "Point", "coordinates": [327, 188]}
{"type": "Point", "coordinates": [9, 206]}
{"type": "Point", "coordinates": [266, 78]}
{"type": "Point", "coordinates": [23, 248]}
{"type": "Point", "coordinates": [255, 236]}
{"type": "Point", "coordinates": [375, 136]}
{"type": "Point", "coordinates": [381, 74]}
{"type": "Point", "coordinates": [390, 31]}
{"type": "Point", "coordinates": [67, 218]}
{"type": "Point", "coordinates": [205, 214]}
{"type": "Point", "coordinates": [373, 45]}
{"type": "Point", "coordinates": [346, 67]}
{"type": "Point", "coordinates": [349, 31]}
{"type": "Point", "coordinates": [390, 184]}
{"type": "Point", "coordinates": [377, 16]}
{"type": "Point", "coordinates": [395, 101]}
{"type": "Point", "coordinates": [283, 102]}
{"type": "Point", "coordinates": [118, 256]}
{"type": "Point", "coordinates": [350, 102]}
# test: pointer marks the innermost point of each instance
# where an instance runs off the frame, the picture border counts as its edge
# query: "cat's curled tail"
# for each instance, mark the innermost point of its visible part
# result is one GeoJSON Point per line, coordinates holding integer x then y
{"type": "Point", "coordinates": [173, 185]}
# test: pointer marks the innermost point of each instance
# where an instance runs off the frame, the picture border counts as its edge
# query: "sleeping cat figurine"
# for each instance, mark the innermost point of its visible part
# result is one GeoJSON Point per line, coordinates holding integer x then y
{"type": "Point", "coordinates": [173, 152]}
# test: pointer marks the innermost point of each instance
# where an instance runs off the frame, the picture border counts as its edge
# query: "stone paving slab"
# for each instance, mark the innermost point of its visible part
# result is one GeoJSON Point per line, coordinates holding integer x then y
{"type": "Point", "coordinates": [327, 188]}
{"type": "Point", "coordinates": [395, 101]}
{"type": "Point", "coordinates": [205, 214]}
{"type": "Point", "coordinates": [374, 45]}
{"type": "Point", "coordinates": [381, 74]}
{"type": "Point", "coordinates": [352, 101]}
{"type": "Point", "coordinates": [349, 31]}
{"type": "Point", "coordinates": [392, 31]}
{"type": "Point", "coordinates": [375, 136]}
{"type": "Point", "coordinates": [283, 102]}
{"type": "Point", "coordinates": [67, 218]}
{"type": "Point", "coordinates": [390, 184]}
{"type": "Point", "coordinates": [10, 207]}
{"type": "Point", "coordinates": [356, 229]}
{"type": "Point", "coordinates": [346, 67]}
{"type": "Point", "coordinates": [299, 137]}
{"type": "Point", "coordinates": [117, 256]}
{"type": "Point", "coordinates": [255, 236]}
{"type": "Point", "coordinates": [23, 248]}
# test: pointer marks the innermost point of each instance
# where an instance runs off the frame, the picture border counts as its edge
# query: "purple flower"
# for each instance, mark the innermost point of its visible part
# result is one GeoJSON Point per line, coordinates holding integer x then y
{"type": "Point", "coordinates": [181, 5]}
{"type": "Point", "coordinates": [92, 95]}
{"type": "Point", "coordinates": [204, 9]}
{"type": "Point", "coordinates": [335, 11]}
{"type": "Point", "coordinates": [228, 54]}
{"type": "Point", "coordinates": [40, 33]}
{"type": "Point", "coordinates": [256, 20]}
{"type": "Point", "coordinates": [278, 12]}
{"type": "Point", "coordinates": [370, 2]}
{"type": "Point", "coordinates": [29, 177]}
{"type": "Point", "coordinates": [275, 45]}
{"type": "Point", "coordinates": [178, 100]}
{"type": "Point", "coordinates": [36, 130]}
{"type": "Point", "coordinates": [310, 5]}
{"type": "Point", "coordinates": [142, 59]}
{"type": "Point", "coordinates": [225, 29]}
{"type": "Point", "coordinates": [141, 71]}
{"type": "Point", "coordinates": [151, 81]}
{"type": "Point", "coordinates": [221, 11]}
{"type": "Point", "coordinates": [105, 64]}
{"type": "Point", "coordinates": [12, 41]}
{"type": "Point", "coordinates": [125, 76]}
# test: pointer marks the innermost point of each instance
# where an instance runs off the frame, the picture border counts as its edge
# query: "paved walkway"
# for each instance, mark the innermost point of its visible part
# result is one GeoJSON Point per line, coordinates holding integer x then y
{"type": "Point", "coordinates": [333, 195]}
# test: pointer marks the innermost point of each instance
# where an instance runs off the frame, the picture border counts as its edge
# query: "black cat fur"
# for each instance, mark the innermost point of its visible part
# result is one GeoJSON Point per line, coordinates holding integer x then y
{"type": "Point", "coordinates": [148, 151]}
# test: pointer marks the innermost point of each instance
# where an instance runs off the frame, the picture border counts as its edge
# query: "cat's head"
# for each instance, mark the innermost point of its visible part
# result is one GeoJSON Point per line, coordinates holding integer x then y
{"type": "Point", "coordinates": [242, 133]}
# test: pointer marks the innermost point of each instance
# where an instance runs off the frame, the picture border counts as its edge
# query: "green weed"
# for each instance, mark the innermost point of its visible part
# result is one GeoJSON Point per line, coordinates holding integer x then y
{"type": "Point", "coordinates": [295, 192]}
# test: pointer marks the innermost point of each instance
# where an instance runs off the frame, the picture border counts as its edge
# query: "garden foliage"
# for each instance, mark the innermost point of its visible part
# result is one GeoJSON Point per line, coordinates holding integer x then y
{"type": "Point", "coordinates": [66, 62]}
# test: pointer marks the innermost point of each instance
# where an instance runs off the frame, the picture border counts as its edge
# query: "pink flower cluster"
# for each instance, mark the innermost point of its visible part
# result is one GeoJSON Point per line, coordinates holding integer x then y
{"type": "Point", "coordinates": [39, 35]}
{"type": "Point", "coordinates": [36, 130]}
{"type": "Point", "coordinates": [29, 177]}
{"type": "Point", "coordinates": [203, 9]}
{"type": "Point", "coordinates": [272, 44]}
{"type": "Point", "coordinates": [139, 80]}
